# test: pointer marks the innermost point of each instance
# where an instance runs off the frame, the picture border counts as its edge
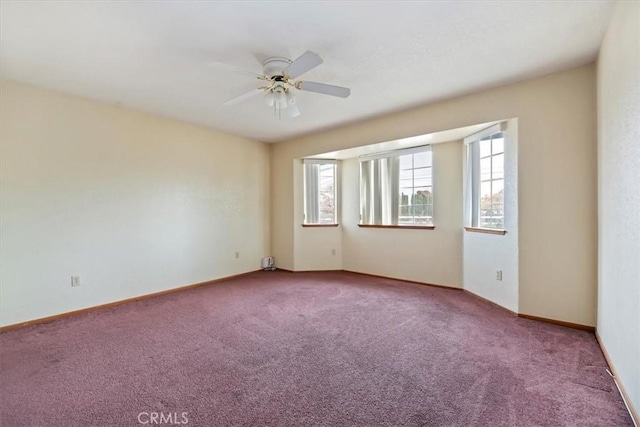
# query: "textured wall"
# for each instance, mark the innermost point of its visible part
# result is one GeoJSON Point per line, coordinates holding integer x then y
{"type": "Point", "coordinates": [619, 195]}
{"type": "Point", "coordinates": [132, 203]}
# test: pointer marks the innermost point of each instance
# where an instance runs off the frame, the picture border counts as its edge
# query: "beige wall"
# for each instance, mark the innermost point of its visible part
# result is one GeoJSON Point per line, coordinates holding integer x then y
{"type": "Point", "coordinates": [106, 193]}
{"type": "Point", "coordinates": [132, 203]}
{"type": "Point", "coordinates": [619, 195]}
{"type": "Point", "coordinates": [428, 256]}
{"type": "Point", "coordinates": [556, 163]}
{"type": "Point", "coordinates": [282, 215]}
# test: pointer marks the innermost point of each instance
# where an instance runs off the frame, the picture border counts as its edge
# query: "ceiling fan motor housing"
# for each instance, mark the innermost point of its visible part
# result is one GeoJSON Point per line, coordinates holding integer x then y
{"type": "Point", "coordinates": [273, 66]}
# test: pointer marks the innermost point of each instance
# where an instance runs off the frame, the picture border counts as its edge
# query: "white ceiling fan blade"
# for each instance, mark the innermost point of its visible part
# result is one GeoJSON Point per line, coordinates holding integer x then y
{"type": "Point", "coordinates": [325, 89]}
{"type": "Point", "coordinates": [302, 64]}
{"type": "Point", "coordinates": [233, 69]}
{"type": "Point", "coordinates": [238, 99]}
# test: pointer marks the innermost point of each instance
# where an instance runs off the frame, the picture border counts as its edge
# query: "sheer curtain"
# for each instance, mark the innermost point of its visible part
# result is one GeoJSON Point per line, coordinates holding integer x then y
{"type": "Point", "coordinates": [390, 193]}
{"type": "Point", "coordinates": [470, 188]}
{"type": "Point", "coordinates": [366, 193]}
{"type": "Point", "coordinates": [311, 190]}
{"type": "Point", "coordinates": [379, 190]}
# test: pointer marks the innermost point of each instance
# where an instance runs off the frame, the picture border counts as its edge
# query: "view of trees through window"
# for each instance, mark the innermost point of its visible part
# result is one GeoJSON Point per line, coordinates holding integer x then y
{"type": "Point", "coordinates": [327, 194]}
{"type": "Point", "coordinates": [492, 181]}
{"type": "Point", "coordinates": [416, 189]}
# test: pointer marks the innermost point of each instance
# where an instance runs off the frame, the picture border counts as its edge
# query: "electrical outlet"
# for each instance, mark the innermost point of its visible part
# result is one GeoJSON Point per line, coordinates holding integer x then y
{"type": "Point", "coordinates": [333, 251]}
{"type": "Point", "coordinates": [498, 274]}
{"type": "Point", "coordinates": [237, 255]}
{"type": "Point", "coordinates": [75, 280]}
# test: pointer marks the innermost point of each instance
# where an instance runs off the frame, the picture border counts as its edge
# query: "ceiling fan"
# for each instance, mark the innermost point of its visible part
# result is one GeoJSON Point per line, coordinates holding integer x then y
{"type": "Point", "coordinates": [279, 75]}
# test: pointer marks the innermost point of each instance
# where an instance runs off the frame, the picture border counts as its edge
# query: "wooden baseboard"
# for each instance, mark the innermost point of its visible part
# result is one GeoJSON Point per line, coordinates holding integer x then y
{"type": "Point", "coordinates": [473, 294]}
{"type": "Point", "coordinates": [623, 391]}
{"type": "Point", "coordinates": [558, 322]}
{"type": "Point", "coordinates": [119, 302]}
{"type": "Point", "coordinates": [536, 318]}
{"type": "Point", "coordinates": [403, 280]}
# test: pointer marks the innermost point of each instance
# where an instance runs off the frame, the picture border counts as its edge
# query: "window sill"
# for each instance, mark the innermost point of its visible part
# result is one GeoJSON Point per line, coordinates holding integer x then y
{"type": "Point", "coordinates": [320, 225]}
{"type": "Point", "coordinates": [486, 230]}
{"type": "Point", "coordinates": [404, 227]}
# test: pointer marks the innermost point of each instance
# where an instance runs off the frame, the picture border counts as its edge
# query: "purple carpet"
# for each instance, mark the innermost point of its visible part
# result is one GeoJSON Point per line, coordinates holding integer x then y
{"type": "Point", "coordinates": [321, 349]}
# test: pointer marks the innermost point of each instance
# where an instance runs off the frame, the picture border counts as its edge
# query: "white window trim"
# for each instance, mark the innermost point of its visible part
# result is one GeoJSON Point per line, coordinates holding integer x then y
{"type": "Point", "coordinates": [498, 127]}
{"type": "Point", "coordinates": [395, 153]}
{"type": "Point", "coordinates": [311, 186]}
{"type": "Point", "coordinates": [319, 161]}
{"type": "Point", "coordinates": [471, 177]}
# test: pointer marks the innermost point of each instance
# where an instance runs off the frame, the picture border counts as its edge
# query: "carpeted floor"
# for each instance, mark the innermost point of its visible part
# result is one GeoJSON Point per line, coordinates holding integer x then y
{"type": "Point", "coordinates": [305, 349]}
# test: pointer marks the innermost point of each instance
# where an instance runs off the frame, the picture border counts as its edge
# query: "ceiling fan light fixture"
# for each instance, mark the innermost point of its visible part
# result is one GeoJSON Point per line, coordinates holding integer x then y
{"type": "Point", "coordinates": [269, 99]}
{"type": "Point", "coordinates": [280, 98]}
{"type": "Point", "coordinates": [290, 96]}
{"type": "Point", "coordinates": [292, 110]}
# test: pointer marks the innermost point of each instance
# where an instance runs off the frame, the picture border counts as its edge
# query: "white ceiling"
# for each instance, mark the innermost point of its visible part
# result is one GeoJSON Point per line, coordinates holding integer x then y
{"type": "Point", "coordinates": [152, 56]}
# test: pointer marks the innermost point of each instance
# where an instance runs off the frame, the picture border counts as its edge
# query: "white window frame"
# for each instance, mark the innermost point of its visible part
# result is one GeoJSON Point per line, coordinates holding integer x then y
{"type": "Point", "coordinates": [380, 188]}
{"type": "Point", "coordinates": [312, 192]}
{"type": "Point", "coordinates": [472, 179]}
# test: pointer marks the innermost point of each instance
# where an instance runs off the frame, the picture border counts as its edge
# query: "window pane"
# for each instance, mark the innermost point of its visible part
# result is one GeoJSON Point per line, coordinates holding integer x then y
{"type": "Point", "coordinates": [423, 173]}
{"type": "Point", "coordinates": [405, 219]}
{"type": "Point", "coordinates": [406, 175]}
{"type": "Point", "coordinates": [326, 217]}
{"type": "Point", "coordinates": [485, 169]}
{"type": "Point", "coordinates": [492, 211]}
{"type": "Point", "coordinates": [486, 219]}
{"type": "Point", "coordinates": [324, 194]}
{"type": "Point", "coordinates": [485, 195]}
{"type": "Point", "coordinates": [406, 162]}
{"type": "Point", "coordinates": [485, 147]}
{"type": "Point", "coordinates": [498, 167]}
{"type": "Point", "coordinates": [421, 160]}
{"type": "Point", "coordinates": [423, 206]}
{"type": "Point", "coordinates": [420, 214]}
{"type": "Point", "coordinates": [327, 172]}
{"type": "Point", "coordinates": [404, 212]}
{"type": "Point", "coordinates": [326, 182]}
{"type": "Point", "coordinates": [494, 217]}
{"type": "Point", "coordinates": [414, 181]}
{"type": "Point", "coordinates": [327, 206]}
{"type": "Point", "coordinates": [424, 182]}
{"type": "Point", "coordinates": [490, 169]}
{"type": "Point", "coordinates": [405, 197]}
{"type": "Point", "coordinates": [421, 196]}
{"type": "Point", "coordinates": [498, 191]}
{"type": "Point", "coordinates": [406, 185]}
{"type": "Point", "coordinates": [497, 145]}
